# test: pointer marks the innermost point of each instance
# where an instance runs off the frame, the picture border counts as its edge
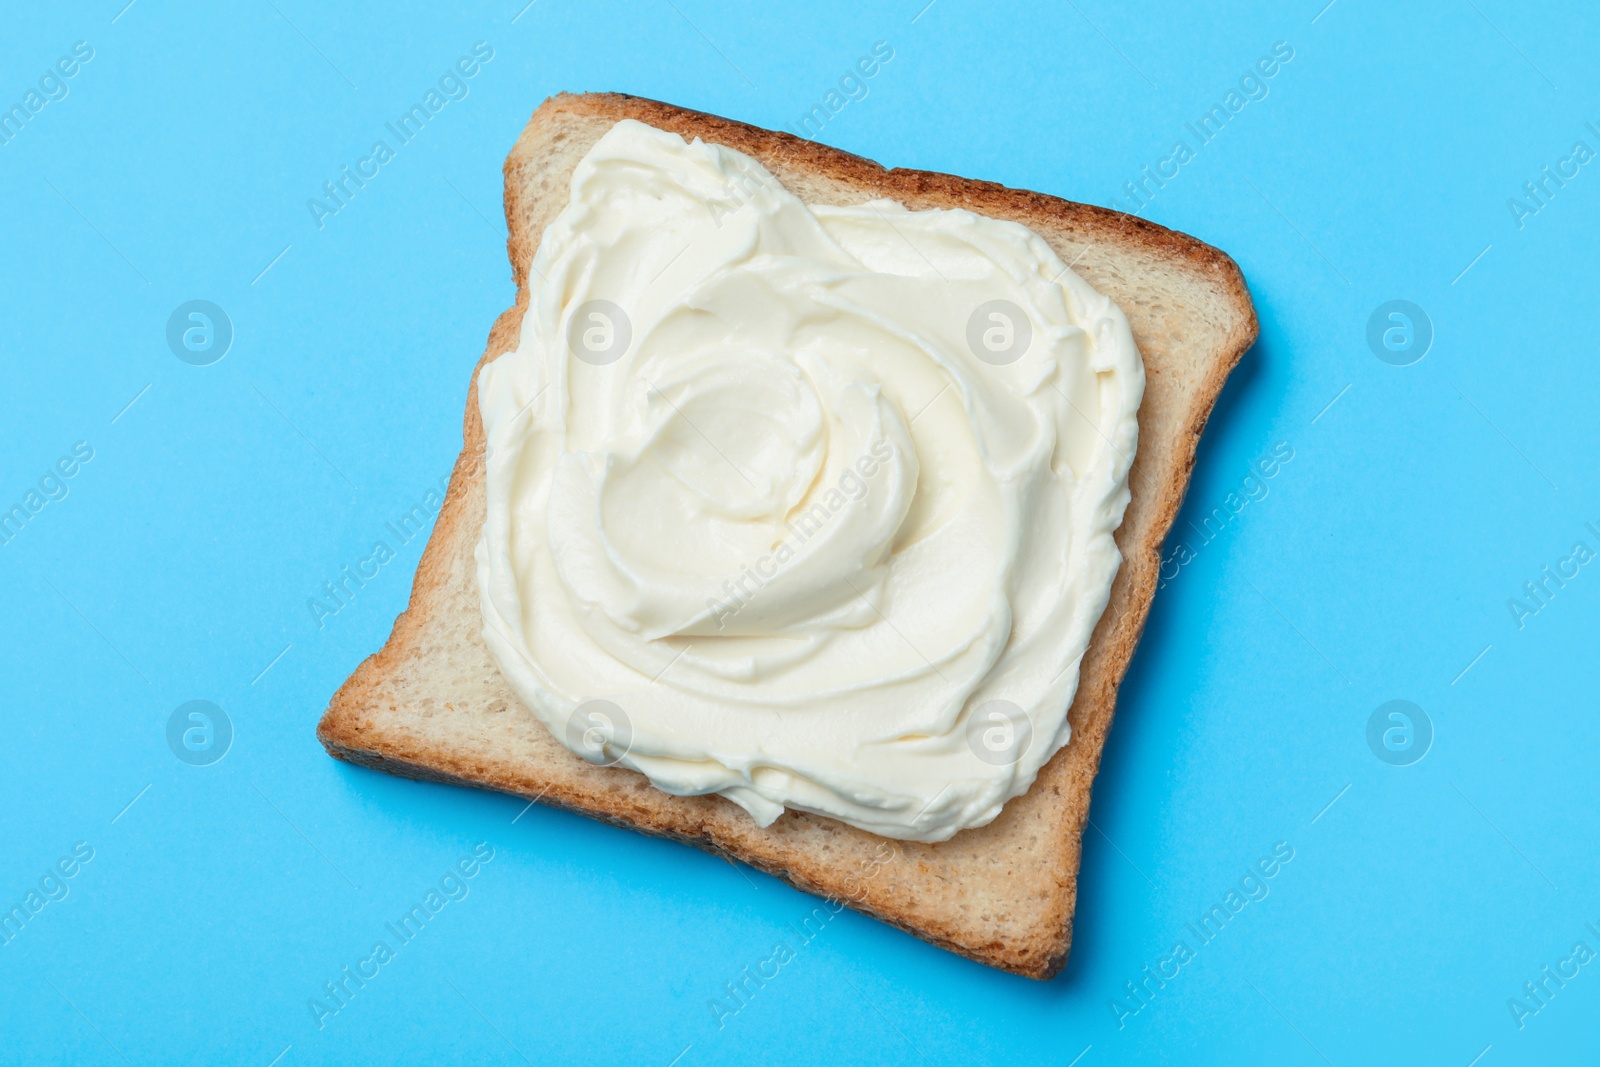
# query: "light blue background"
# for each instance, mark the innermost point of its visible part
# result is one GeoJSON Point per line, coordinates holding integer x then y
{"type": "Point", "coordinates": [1378, 566]}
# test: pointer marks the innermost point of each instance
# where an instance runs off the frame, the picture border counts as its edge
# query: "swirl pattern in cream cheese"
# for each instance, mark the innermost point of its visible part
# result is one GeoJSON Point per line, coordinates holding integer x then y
{"type": "Point", "coordinates": [808, 506]}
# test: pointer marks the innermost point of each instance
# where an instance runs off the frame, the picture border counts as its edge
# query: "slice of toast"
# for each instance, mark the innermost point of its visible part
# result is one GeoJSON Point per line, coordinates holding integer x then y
{"type": "Point", "coordinates": [431, 704]}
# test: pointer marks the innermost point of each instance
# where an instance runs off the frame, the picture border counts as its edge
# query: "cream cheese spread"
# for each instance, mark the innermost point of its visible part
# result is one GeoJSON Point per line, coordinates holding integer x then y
{"type": "Point", "coordinates": [808, 506]}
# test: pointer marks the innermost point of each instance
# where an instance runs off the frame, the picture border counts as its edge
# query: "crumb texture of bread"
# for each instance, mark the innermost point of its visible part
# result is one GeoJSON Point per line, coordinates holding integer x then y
{"type": "Point", "coordinates": [432, 705]}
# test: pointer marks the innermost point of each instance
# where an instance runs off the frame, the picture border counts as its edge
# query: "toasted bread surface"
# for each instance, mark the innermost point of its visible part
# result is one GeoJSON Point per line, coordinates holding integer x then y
{"type": "Point", "coordinates": [431, 703]}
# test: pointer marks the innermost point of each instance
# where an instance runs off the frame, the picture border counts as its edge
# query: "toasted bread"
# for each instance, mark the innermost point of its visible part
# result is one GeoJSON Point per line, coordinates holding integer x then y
{"type": "Point", "coordinates": [431, 704]}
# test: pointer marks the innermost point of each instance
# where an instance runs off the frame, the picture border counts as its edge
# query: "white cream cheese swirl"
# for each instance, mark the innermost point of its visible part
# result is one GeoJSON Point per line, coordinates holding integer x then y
{"type": "Point", "coordinates": [816, 502]}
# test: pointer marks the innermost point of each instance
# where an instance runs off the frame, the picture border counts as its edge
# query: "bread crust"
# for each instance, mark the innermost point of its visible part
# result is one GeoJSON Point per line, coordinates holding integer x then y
{"type": "Point", "coordinates": [1002, 894]}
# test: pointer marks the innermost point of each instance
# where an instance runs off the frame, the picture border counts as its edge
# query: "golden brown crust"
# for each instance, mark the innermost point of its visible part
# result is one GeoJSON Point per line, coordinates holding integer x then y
{"type": "Point", "coordinates": [969, 894]}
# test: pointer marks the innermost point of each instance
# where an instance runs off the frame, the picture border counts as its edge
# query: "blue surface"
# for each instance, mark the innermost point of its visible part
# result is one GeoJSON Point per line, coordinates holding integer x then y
{"type": "Point", "coordinates": [176, 564]}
